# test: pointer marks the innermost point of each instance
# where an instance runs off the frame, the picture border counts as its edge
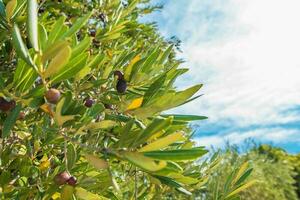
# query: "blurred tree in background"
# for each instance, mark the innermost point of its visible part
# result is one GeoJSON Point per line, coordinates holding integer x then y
{"type": "Point", "coordinates": [276, 172]}
{"type": "Point", "coordinates": [83, 85]}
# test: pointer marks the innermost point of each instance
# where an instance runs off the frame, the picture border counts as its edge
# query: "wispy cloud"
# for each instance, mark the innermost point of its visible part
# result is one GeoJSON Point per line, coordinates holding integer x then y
{"type": "Point", "coordinates": [247, 55]}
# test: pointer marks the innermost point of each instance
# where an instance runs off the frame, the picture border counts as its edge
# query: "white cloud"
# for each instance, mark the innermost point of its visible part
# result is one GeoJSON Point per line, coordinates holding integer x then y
{"type": "Point", "coordinates": [251, 72]}
{"type": "Point", "coordinates": [274, 135]}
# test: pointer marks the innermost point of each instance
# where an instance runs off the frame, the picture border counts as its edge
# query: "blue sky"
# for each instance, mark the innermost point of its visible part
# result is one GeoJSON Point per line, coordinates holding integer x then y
{"type": "Point", "coordinates": [246, 53]}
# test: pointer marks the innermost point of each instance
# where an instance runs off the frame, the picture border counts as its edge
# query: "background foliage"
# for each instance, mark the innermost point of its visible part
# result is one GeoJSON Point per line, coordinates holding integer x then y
{"type": "Point", "coordinates": [276, 172]}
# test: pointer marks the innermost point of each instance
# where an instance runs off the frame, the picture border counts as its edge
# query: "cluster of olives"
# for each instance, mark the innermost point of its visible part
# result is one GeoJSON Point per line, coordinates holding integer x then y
{"type": "Point", "coordinates": [53, 96]}
{"type": "Point", "coordinates": [121, 84]}
{"type": "Point", "coordinates": [65, 178]}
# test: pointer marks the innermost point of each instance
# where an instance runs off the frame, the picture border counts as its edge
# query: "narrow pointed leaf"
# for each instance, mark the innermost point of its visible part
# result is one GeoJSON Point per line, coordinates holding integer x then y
{"type": "Point", "coordinates": [241, 188]}
{"type": "Point", "coordinates": [32, 23]}
{"type": "Point", "coordinates": [178, 117]}
{"type": "Point", "coordinates": [20, 47]}
{"type": "Point", "coordinates": [163, 142]}
{"type": "Point", "coordinates": [77, 25]}
{"type": "Point", "coordinates": [71, 155]}
{"type": "Point", "coordinates": [157, 125]}
{"type": "Point", "coordinates": [178, 154]}
{"type": "Point", "coordinates": [144, 162]}
{"type": "Point", "coordinates": [57, 27]}
{"type": "Point", "coordinates": [10, 121]}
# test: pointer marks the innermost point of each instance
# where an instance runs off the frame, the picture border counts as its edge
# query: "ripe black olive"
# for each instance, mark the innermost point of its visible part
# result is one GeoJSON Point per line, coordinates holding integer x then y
{"type": "Point", "coordinates": [89, 102]}
{"type": "Point", "coordinates": [121, 86]}
{"type": "Point", "coordinates": [93, 32]}
{"type": "Point", "coordinates": [119, 74]}
{"type": "Point", "coordinates": [72, 181]}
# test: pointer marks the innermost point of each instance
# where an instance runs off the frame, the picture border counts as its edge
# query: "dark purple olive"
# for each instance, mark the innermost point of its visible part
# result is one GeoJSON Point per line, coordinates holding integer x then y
{"type": "Point", "coordinates": [52, 95]}
{"type": "Point", "coordinates": [119, 74]}
{"type": "Point", "coordinates": [62, 178]}
{"type": "Point", "coordinates": [7, 105]}
{"type": "Point", "coordinates": [108, 106]}
{"type": "Point", "coordinates": [121, 86]}
{"type": "Point", "coordinates": [102, 17]}
{"type": "Point", "coordinates": [89, 102]}
{"type": "Point", "coordinates": [93, 32]}
{"type": "Point", "coordinates": [72, 181]}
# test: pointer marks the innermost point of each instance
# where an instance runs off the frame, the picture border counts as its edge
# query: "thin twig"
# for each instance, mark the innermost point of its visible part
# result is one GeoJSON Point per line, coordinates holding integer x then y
{"type": "Point", "coordinates": [135, 184]}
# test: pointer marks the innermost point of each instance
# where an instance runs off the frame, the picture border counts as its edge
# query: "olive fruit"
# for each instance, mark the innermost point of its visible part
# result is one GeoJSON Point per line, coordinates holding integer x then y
{"type": "Point", "coordinates": [108, 106]}
{"type": "Point", "coordinates": [89, 102]}
{"type": "Point", "coordinates": [62, 178]}
{"type": "Point", "coordinates": [72, 181]}
{"type": "Point", "coordinates": [121, 86]}
{"type": "Point", "coordinates": [52, 95]}
{"type": "Point", "coordinates": [102, 17]}
{"type": "Point", "coordinates": [93, 32]}
{"type": "Point", "coordinates": [119, 74]}
{"type": "Point", "coordinates": [6, 105]}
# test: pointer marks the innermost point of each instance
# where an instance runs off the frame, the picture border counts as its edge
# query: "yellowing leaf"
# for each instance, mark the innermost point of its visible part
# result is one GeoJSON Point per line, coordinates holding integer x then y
{"type": "Point", "coordinates": [10, 8]}
{"type": "Point", "coordinates": [183, 179]}
{"type": "Point", "coordinates": [156, 135]}
{"type": "Point", "coordinates": [136, 103]}
{"type": "Point", "coordinates": [59, 61]}
{"type": "Point", "coordinates": [128, 69]}
{"type": "Point", "coordinates": [163, 142]}
{"type": "Point", "coordinates": [96, 162]}
{"type": "Point", "coordinates": [86, 195]}
{"type": "Point", "coordinates": [242, 169]}
{"type": "Point", "coordinates": [56, 195]}
{"type": "Point", "coordinates": [61, 119]}
{"type": "Point", "coordinates": [51, 52]}
{"type": "Point", "coordinates": [143, 162]}
{"type": "Point", "coordinates": [241, 188]}
{"type": "Point", "coordinates": [44, 165]}
{"type": "Point", "coordinates": [47, 109]}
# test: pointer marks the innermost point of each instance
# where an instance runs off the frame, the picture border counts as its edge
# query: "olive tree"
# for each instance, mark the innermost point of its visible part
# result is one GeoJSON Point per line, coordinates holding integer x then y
{"type": "Point", "coordinates": [83, 90]}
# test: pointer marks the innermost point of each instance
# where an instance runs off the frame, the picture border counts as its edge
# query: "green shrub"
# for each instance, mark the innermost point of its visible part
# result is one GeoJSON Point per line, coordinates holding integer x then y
{"type": "Point", "coordinates": [273, 173]}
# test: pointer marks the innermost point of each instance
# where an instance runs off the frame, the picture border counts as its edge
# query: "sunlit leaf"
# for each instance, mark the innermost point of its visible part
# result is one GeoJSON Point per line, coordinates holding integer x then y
{"type": "Point", "coordinates": [178, 154]}
{"type": "Point", "coordinates": [143, 162]}
{"type": "Point", "coordinates": [32, 23]}
{"type": "Point", "coordinates": [163, 142]}
{"type": "Point", "coordinates": [59, 61]}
